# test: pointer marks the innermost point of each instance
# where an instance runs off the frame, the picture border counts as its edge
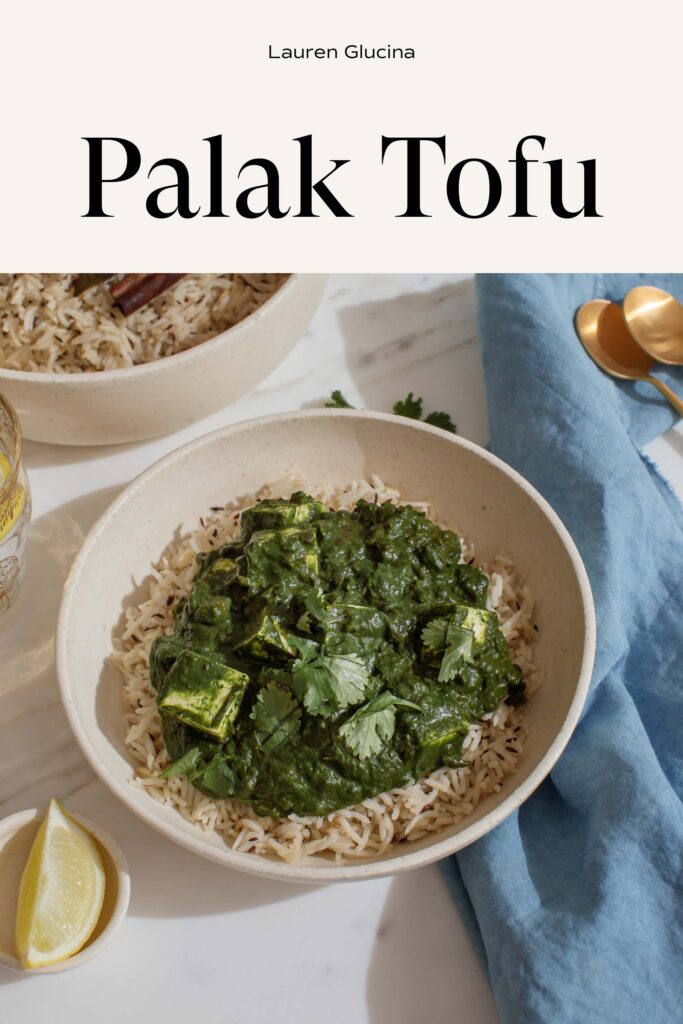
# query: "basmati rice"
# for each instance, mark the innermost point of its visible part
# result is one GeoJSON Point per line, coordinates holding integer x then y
{"type": "Point", "coordinates": [45, 327]}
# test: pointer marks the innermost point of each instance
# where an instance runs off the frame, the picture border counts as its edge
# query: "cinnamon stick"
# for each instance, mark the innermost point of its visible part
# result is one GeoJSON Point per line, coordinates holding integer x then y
{"type": "Point", "coordinates": [135, 290]}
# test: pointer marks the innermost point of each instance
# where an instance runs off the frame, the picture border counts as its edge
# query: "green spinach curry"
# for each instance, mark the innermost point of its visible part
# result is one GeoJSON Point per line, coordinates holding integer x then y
{"type": "Point", "coordinates": [325, 657]}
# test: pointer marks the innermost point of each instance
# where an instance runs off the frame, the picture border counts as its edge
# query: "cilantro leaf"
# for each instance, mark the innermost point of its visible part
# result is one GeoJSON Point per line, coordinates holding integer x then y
{"type": "Point", "coordinates": [458, 651]}
{"type": "Point", "coordinates": [272, 706]}
{"type": "Point", "coordinates": [276, 715]}
{"type": "Point", "coordinates": [456, 654]}
{"type": "Point", "coordinates": [219, 777]}
{"type": "Point", "coordinates": [190, 764]}
{"type": "Point", "coordinates": [305, 648]}
{"type": "Point", "coordinates": [456, 643]}
{"type": "Point", "coordinates": [310, 682]}
{"type": "Point", "coordinates": [373, 725]}
{"type": "Point", "coordinates": [366, 735]}
{"type": "Point", "coordinates": [409, 406]}
{"type": "Point", "coordinates": [329, 683]}
{"type": "Point", "coordinates": [337, 401]}
{"type": "Point", "coordinates": [443, 420]}
{"type": "Point", "coordinates": [350, 676]}
{"type": "Point", "coordinates": [435, 633]}
{"type": "Point", "coordinates": [315, 605]}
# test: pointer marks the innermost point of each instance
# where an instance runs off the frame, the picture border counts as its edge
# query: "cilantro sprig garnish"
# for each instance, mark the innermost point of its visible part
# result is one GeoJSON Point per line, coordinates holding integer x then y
{"type": "Point", "coordinates": [327, 683]}
{"type": "Point", "coordinates": [412, 408]}
{"type": "Point", "coordinates": [373, 725]}
{"type": "Point", "coordinates": [443, 420]}
{"type": "Point", "coordinates": [409, 406]}
{"type": "Point", "coordinates": [337, 401]}
{"type": "Point", "coordinates": [276, 714]}
{"type": "Point", "coordinates": [455, 642]}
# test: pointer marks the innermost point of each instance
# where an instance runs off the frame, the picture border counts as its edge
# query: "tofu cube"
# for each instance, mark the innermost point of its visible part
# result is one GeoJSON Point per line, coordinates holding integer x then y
{"type": "Point", "coordinates": [274, 514]}
{"type": "Point", "coordinates": [263, 638]}
{"type": "Point", "coordinates": [202, 692]}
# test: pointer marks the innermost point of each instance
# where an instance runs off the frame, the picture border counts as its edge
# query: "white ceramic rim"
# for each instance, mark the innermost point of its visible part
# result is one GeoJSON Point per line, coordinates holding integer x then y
{"type": "Point", "coordinates": [282, 870]}
{"type": "Point", "coordinates": [120, 907]}
{"type": "Point", "coordinates": [177, 358]}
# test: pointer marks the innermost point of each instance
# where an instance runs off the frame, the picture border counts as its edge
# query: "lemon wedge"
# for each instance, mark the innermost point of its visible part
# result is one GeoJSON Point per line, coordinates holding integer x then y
{"type": "Point", "coordinates": [61, 891]}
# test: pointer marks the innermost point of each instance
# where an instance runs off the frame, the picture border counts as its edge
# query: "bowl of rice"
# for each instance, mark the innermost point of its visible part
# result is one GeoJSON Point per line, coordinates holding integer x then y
{"type": "Point", "coordinates": [79, 372]}
{"type": "Point", "coordinates": [145, 546]}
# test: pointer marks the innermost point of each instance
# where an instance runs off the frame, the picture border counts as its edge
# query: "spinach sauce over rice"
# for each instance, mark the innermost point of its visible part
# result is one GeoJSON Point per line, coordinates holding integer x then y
{"type": "Point", "coordinates": [324, 657]}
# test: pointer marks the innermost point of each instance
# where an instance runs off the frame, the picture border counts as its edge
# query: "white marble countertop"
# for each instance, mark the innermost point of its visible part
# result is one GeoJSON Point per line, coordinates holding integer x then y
{"type": "Point", "coordinates": [201, 942]}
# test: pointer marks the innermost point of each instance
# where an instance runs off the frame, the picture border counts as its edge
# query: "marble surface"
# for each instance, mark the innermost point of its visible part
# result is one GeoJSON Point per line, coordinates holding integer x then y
{"type": "Point", "coordinates": [201, 942]}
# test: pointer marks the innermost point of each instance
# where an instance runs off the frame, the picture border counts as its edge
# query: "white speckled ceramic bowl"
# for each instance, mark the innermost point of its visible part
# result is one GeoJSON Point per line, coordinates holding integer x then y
{"type": "Point", "coordinates": [16, 838]}
{"type": "Point", "coordinates": [489, 502]}
{"type": "Point", "coordinates": [163, 396]}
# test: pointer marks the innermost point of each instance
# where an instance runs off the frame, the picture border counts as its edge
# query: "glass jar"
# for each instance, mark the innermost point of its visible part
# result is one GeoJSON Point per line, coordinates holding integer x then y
{"type": "Point", "coordinates": [15, 506]}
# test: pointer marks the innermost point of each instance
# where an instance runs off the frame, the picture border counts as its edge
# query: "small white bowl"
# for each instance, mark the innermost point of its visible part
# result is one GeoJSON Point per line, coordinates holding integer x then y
{"type": "Point", "coordinates": [468, 487]}
{"type": "Point", "coordinates": [116, 406]}
{"type": "Point", "coordinates": [16, 837]}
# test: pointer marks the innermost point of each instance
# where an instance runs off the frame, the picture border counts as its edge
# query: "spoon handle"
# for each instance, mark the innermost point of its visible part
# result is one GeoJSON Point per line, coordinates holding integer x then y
{"type": "Point", "coordinates": [672, 398]}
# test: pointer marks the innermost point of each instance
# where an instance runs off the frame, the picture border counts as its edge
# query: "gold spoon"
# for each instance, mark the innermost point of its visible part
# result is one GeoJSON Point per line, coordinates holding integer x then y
{"type": "Point", "coordinates": [655, 319]}
{"type": "Point", "coordinates": [601, 326]}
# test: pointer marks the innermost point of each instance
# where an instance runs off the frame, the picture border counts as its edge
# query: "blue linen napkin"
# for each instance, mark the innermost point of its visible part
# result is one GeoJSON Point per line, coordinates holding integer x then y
{"type": "Point", "coordinates": [575, 903]}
